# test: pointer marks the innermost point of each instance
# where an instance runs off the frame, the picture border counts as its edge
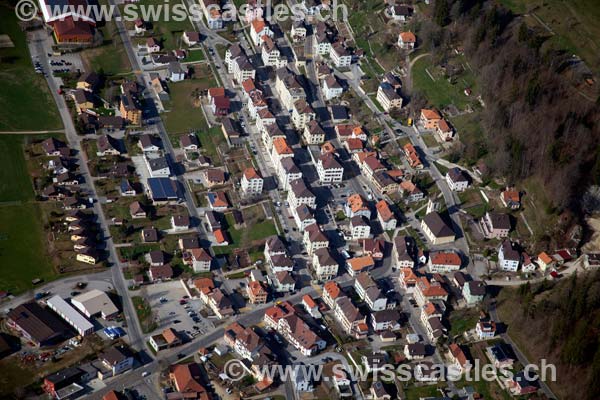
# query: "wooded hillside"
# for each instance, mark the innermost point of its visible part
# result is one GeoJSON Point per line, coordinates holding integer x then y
{"type": "Point", "coordinates": [562, 326]}
{"type": "Point", "coordinates": [536, 121]}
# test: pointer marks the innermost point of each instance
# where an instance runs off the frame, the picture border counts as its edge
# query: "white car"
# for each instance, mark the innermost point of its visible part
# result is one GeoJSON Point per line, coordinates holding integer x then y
{"type": "Point", "coordinates": [145, 373]}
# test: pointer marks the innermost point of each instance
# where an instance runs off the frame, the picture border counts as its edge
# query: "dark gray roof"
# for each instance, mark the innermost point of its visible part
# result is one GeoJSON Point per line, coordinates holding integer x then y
{"type": "Point", "coordinates": [359, 220]}
{"type": "Point", "coordinates": [39, 323]}
{"type": "Point", "coordinates": [275, 245]}
{"type": "Point", "coordinates": [325, 257]}
{"type": "Point", "coordinates": [304, 212]}
{"type": "Point", "coordinates": [300, 189]}
{"type": "Point", "coordinates": [339, 112]}
{"type": "Point", "coordinates": [385, 316]}
{"type": "Point", "coordinates": [510, 253]}
{"type": "Point", "coordinates": [289, 165]}
{"type": "Point", "coordinates": [499, 221]}
{"type": "Point", "coordinates": [116, 354]}
{"type": "Point", "coordinates": [158, 163]}
{"type": "Point", "coordinates": [457, 175]}
{"type": "Point", "coordinates": [437, 225]}
{"type": "Point", "coordinates": [476, 288]}
{"type": "Point", "coordinates": [176, 68]}
{"type": "Point", "coordinates": [416, 349]}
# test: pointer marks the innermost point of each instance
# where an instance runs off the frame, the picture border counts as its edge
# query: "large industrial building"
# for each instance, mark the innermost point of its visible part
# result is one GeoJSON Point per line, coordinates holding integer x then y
{"type": "Point", "coordinates": [37, 324]}
{"type": "Point", "coordinates": [71, 315]}
{"type": "Point", "coordinates": [94, 303]}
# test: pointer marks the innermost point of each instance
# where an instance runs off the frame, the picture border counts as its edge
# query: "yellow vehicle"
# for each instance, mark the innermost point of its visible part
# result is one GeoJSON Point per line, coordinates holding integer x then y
{"type": "Point", "coordinates": [409, 122]}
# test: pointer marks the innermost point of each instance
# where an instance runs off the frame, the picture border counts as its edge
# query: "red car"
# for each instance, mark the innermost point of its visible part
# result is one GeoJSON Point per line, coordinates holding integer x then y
{"type": "Point", "coordinates": [182, 302]}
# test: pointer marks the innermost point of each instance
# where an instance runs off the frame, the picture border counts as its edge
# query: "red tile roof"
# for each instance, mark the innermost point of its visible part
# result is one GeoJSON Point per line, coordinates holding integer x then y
{"type": "Point", "coordinates": [220, 236]}
{"type": "Point", "coordinates": [408, 37]}
{"type": "Point", "coordinates": [383, 208]}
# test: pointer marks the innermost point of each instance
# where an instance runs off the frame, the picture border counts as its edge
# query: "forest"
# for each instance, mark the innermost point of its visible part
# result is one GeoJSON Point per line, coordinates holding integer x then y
{"type": "Point", "coordinates": [560, 322]}
{"type": "Point", "coordinates": [536, 121]}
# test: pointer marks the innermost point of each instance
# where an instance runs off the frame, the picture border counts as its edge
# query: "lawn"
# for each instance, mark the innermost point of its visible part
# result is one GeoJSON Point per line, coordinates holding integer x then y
{"type": "Point", "coordinates": [15, 184]}
{"type": "Point", "coordinates": [574, 23]}
{"type": "Point", "coordinates": [144, 314]}
{"type": "Point", "coordinates": [261, 229]}
{"type": "Point", "coordinates": [420, 392]}
{"type": "Point", "coordinates": [184, 113]}
{"type": "Point", "coordinates": [111, 57]}
{"type": "Point", "coordinates": [194, 56]}
{"type": "Point", "coordinates": [21, 233]}
{"type": "Point", "coordinates": [471, 134]}
{"type": "Point", "coordinates": [463, 320]}
{"type": "Point", "coordinates": [25, 100]}
{"type": "Point", "coordinates": [430, 140]}
{"type": "Point", "coordinates": [17, 375]}
{"type": "Point", "coordinates": [257, 228]}
{"type": "Point", "coordinates": [210, 140]}
{"type": "Point", "coordinates": [167, 30]}
{"type": "Point", "coordinates": [22, 250]}
{"type": "Point", "coordinates": [439, 91]}
{"type": "Point", "coordinates": [442, 168]}
{"type": "Point", "coordinates": [488, 390]}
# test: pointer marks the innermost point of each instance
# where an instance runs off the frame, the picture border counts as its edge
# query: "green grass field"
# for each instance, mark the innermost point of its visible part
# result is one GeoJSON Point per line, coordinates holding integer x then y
{"type": "Point", "coordinates": [22, 251]}
{"type": "Point", "coordinates": [257, 228]}
{"type": "Point", "coordinates": [111, 57]}
{"type": "Point", "coordinates": [184, 114]}
{"type": "Point", "coordinates": [15, 184]}
{"type": "Point", "coordinates": [168, 31]}
{"type": "Point", "coordinates": [25, 100]}
{"type": "Point", "coordinates": [438, 90]}
{"type": "Point", "coordinates": [574, 24]}
{"type": "Point", "coordinates": [144, 314]}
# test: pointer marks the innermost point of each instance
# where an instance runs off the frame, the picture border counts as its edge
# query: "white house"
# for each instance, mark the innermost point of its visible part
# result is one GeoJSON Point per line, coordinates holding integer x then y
{"type": "Point", "coordinates": [457, 179]}
{"type": "Point", "coordinates": [176, 72]}
{"type": "Point", "coordinates": [300, 193]}
{"type": "Point", "coordinates": [313, 133]}
{"type": "Point", "coordinates": [444, 261]}
{"type": "Point", "coordinates": [117, 360]}
{"type": "Point", "coordinates": [252, 182]}
{"type": "Point", "coordinates": [385, 216]}
{"type": "Point", "coordinates": [388, 97]}
{"type": "Point", "coordinates": [407, 40]}
{"type": "Point", "coordinates": [158, 167]}
{"type": "Point", "coordinates": [304, 216]}
{"type": "Point", "coordinates": [509, 258]}
{"type": "Point", "coordinates": [360, 228]}
{"type": "Point", "coordinates": [340, 55]}
{"type": "Point", "coordinates": [258, 31]}
{"type": "Point", "coordinates": [331, 88]}
{"type": "Point", "coordinates": [329, 169]}
{"type": "Point", "coordinates": [200, 260]}
{"type": "Point", "coordinates": [324, 265]}
{"type": "Point", "coordinates": [473, 292]}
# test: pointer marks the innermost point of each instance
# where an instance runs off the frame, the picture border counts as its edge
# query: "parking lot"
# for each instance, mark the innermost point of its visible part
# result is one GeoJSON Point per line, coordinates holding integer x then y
{"type": "Point", "coordinates": [165, 299]}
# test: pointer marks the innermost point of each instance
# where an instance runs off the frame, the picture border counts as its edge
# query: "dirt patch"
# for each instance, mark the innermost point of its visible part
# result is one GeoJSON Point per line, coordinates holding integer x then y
{"type": "Point", "coordinates": [594, 243]}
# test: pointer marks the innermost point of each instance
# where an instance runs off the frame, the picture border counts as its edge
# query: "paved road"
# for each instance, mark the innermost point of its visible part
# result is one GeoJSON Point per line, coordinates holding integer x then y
{"type": "Point", "coordinates": [572, 267]}
{"type": "Point", "coordinates": [171, 356]}
{"type": "Point", "coordinates": [133, 327]}
{"type": "Point", "coordinates": [30, 132]}
{"type": "Point", "coordinates": [388, 123]}
{"type": "Point", "coordinates": [520, 356]}
{"type": "Point", "coordinates": [143, 79]}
